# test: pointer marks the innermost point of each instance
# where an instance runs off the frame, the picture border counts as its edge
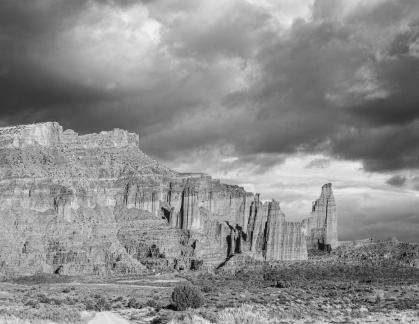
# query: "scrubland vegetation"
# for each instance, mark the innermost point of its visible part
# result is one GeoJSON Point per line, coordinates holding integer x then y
{"type": "Point", "coordinates": [325, 288]}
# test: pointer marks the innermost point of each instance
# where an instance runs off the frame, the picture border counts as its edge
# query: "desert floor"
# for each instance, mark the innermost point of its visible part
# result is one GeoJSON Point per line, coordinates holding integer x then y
{"type": "Point", "coordinates": [315, 291]}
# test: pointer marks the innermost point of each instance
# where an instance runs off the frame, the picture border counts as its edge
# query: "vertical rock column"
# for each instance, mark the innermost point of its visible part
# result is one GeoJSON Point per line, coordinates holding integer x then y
{"type": "Point", "coordinates": [244, 211]}
{"type": "Point", "coordinates": [323, 223]}
{"type": "Point", "coordinates": [190, 218]}
{"type": "Point", "coordinates": [257, 224]}
{"type": "Point", "coordinates": [258, 240]}
{"type": "Point", "coordinates": [295, 246]}
{"type": "Point", "coordinates": [331, 232]}
{"type": "Point", "coordinates": [274, 232]}
{"type": "Point", "coordinates": [175, 199]}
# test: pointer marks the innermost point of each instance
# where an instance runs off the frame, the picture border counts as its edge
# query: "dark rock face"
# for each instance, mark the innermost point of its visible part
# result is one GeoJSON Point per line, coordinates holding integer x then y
{"type": "Point", "coordinates": [96, 204]}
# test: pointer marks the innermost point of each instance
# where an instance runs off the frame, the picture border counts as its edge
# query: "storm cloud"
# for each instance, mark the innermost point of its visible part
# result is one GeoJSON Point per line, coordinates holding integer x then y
{"type": "Point", "coordinates": [397, 181]}
{"type": "Point", "coordinates": [336, 76]}
{"type": "Point", "coordinates": [232, 84]}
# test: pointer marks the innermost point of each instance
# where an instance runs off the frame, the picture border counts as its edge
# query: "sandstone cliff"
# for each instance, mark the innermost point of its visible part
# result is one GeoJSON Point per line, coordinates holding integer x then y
{"type": "Point", "coordinates": [321, 226]}
{"type": "Point", "coordinates": [96, 204]}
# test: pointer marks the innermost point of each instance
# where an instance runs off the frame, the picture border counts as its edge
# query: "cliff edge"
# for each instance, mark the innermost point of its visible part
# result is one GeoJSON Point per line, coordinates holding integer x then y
{"type": "Point", "coordinates": [96, 204]}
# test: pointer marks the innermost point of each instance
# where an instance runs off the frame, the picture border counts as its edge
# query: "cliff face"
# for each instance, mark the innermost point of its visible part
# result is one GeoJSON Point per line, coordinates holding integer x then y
{"type": "Point", "coordinates": [321, 226]}
{"type": "Point", "coordinates": [97, 204]}
{"type": "Point", "coordinates": [47, 134]}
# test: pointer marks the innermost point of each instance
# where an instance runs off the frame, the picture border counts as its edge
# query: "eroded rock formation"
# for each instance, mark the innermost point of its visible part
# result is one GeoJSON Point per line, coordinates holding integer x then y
{"type": "Point", "coordinates": [96, 204]}
{"type": "Point", "coordinates": [321, 226]}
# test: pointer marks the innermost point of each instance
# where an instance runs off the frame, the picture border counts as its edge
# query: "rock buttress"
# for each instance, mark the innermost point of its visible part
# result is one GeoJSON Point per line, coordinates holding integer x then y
{"type": "Point", "coordinates": [96, 204]}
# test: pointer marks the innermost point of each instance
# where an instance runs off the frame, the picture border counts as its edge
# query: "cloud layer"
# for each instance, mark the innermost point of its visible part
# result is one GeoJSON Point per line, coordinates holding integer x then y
{"type": "Point", "coordinates": [265, 77]}
{"type": "Point", "coordinates": [234, 84]}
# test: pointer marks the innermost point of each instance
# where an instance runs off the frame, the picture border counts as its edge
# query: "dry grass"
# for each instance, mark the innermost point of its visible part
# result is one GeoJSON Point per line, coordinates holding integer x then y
{"type": "Point", "coordinates": [41, 314]}
{"type": "Point", "coordinates": [287, 292]}
{"type": "Point", "coordinates": [42, 278]}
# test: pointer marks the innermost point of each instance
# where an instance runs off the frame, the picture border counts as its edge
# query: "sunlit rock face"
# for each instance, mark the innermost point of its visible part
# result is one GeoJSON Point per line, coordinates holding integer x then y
{"type": "Point", "coordinates": [96, 204]}
{"type": "Point", "coordinates": [321, 226]}
{"type": "Point", "coordinates": [47, 134]}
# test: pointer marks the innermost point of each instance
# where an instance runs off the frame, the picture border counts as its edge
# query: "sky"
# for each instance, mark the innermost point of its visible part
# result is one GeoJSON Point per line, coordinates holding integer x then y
{"type": "Point", "coordinates": [279, 96]}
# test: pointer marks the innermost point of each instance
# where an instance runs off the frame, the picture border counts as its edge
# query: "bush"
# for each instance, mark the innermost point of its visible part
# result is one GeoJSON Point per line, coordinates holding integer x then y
{"type": "Point", "coordinates": [32, 303]}
{"type": "Point", "coordinates": [134, 303]}
{"type": "Point", "coordinates": [186, 296]}
{"type": "Point", "coordinates": [207, 289]}
{"type": "Point", "coordinates": [152, 303]}
{"type": "Point", "coordinates": [97, 304]}
{"type": "Point", "coordinates": [90, 304]}
{"type": "Point", "coordinates": [283, 284]}
{"type": "Point", "coordinates": [102, 304]}
{"type": "Point", "coordinates": [118, 299]}
{"type": "Point", "coordinates": [42, 298]}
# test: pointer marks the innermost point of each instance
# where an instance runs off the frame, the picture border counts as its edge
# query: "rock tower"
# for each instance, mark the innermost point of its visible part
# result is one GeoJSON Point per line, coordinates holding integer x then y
{"type": "Point", "coordinates": [321, 226]}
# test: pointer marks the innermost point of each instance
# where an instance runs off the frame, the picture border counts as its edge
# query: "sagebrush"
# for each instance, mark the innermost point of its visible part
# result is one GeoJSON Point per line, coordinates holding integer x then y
{"type": "Point", "coordinates": [187, 296]}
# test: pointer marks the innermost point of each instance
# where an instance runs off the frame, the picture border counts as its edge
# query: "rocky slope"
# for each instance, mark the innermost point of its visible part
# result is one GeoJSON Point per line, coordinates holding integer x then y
{"type": "Point", "coordinates": [379, 253]}
{"type": "Point", "coordinates": [96, 204]}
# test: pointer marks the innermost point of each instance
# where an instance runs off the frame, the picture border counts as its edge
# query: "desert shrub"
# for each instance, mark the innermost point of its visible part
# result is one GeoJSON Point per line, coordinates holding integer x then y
{"type": "Point", "coordinates": [42, 298]}
{"type": "Point", "coordinates": [190, 319]}
{"type": "Point", "coordinates": [247, 314]}
{"type": "Point", "coordinates": [97, 304]}
{"type": "Point", "coordinates": [34, 303]}
{"type": "Point", "coordinates": [283, 284]}
{"type": "Point", "coordinates": [69, 301]}
{"type": "Point", "coordinates": [186, 296]}
{"type": "Point", "coordinates": [43, 314]}
{"type": "Point", "coordinates": [270, 276]}
{"type": "Point", "coordinates": [245, 274]}
{"type": "Point", "coordinates": [134, 303]}
{"type": "Point", "coordinates": [152, 303]}
{"type": "Point", "coordinates": [207, 288]}
{"type": "Point", "coordinates": [55, 301]}
{"type": "Point", "coordinates": [102, 304]}
{"type": "Point", "coordinates": [118, 299]}
{"type": "Point", "coordinates": [90, 304]}
{"type": "Point", "coordinates": [59, 314]}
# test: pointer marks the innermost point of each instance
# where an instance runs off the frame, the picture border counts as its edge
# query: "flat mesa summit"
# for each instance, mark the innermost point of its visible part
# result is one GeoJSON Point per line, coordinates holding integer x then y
{"type": "Point", "coordinates": [96, 204]}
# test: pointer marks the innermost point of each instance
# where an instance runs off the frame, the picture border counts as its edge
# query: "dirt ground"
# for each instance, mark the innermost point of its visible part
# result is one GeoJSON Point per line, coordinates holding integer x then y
{"type": "Point", "coordinates": [298, 292]}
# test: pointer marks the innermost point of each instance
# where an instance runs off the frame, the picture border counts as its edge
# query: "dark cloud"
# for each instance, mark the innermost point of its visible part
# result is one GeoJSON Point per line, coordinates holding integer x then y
{"type": "Point", "coordinates": [32, 91]}
{"type": "Point", "coordinates": [236, 31]}
{"type": "Point", "coordinates": [233, 88]}
{"type": "Point", "coordinates": [397, 180]}
{"type": "Point", "coordinates": [380, 148]}
{"type": "Point", "coordinates": [44, 75]}
{"type": "Point", "coordinates": [342, 81]}
{"type": "Point", "coordinates": [378, 217]}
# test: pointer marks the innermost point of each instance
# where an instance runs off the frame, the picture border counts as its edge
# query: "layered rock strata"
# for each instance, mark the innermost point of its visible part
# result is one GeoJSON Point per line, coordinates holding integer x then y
{"type": "Point", "coordinates": [96, 204]}
{"type": "Point", "coordinates": [321, 226]}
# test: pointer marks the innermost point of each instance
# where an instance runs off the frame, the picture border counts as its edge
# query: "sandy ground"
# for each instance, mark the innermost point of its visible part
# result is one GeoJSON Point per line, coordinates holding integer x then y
{"type": "Point", "coordinates": [107, 318]}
